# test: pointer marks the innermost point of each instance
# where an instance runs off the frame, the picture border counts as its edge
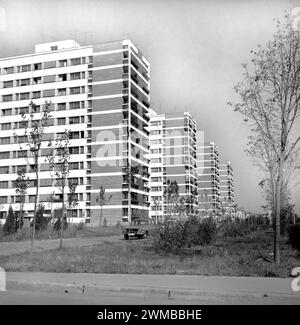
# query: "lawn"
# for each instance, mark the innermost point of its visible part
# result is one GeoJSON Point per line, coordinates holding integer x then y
{"type": "Point", "coordinates": [73, 231]}
{"type": "Point", "coordinates": [242, 256]}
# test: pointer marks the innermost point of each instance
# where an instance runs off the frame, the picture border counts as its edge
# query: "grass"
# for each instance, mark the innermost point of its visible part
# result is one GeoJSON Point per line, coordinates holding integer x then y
{"type": "Point", "coordinates": [73, 231]}
{"type": "Point", "coordinates": [241, 256]}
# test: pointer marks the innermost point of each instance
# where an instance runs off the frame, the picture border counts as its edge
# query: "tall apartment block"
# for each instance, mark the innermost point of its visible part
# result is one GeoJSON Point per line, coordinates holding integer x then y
{"type": "Point", "coordinates": [208, 178]}
{"type": "Point", "coordinates": [226, 186]}
{"type": "Point", "coordinates": [172, 157]}
{"type": "Point", "coordinates": [101, 94]}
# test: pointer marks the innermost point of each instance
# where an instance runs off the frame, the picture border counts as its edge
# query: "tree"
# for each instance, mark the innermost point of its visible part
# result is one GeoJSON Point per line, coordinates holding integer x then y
{"type": "Point", "coordinates": [102, 200]}
{"type": "Point", "coordinates": [270, 94]}
{"type": "Point", "coordinates": [10, 223]}
{"type": "Point", "coordinates": [171, 195]}
{"type": "Point", "coordinates": [130, 172]}
{"type": "Point", "coordinates": [21, 184]}
{"type": "Point", "coordinates": [58, 158]}
{"type": "Point", "coordinates": [41, 222]}
{"type": "Point", "coordinates": [34, 123]}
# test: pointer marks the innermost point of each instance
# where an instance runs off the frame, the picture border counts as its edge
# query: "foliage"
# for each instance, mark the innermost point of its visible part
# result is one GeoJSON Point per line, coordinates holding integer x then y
{"type": "Point", "coordinates": [21, 184]}
{"type": "Point", "coordinates": [57, 224]}
{"type": "Point", "coordinates": [287, 218]}
{"type": "Point", "coordinates": [294, 236]}
{"type": "Point", "coordinates": [238, 227]}
{"type": "Point", "coordinates": [172, 237]}
{"type": "Point", "coordinates": [41, 222]}
{"type": "Point", "coordinates": [269, 102]}
{"type": "Point", "coordinates": [171, 195]}
{"type": "Point", "coordinates": [102, 200]}
{"type": "Point", "coordinates": [10, 223]}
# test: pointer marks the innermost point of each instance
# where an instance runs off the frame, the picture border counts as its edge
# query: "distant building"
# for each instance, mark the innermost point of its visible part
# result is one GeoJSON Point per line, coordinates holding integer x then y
{"type": "Point", "coordinates": [172, 157]}
{"type": "Point", "coordinates": [226, 187]}
{"type": "Point", "coordinates": [208, 178]}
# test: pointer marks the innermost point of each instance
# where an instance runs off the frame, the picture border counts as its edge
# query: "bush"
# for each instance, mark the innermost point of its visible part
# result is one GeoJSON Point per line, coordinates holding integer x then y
{"type": "Point", "coordinates": [41, 222]}
{"type": "Point", "coordinates": [287, 218]}
{"type": "Point", "coordinates": [172, 237]}
{"type": "Point", "coordinates": [10, 226]}
{"type": "Point", "coordinates": [294, 236]}
{"type": "Point", "coordinates": [57, 224]}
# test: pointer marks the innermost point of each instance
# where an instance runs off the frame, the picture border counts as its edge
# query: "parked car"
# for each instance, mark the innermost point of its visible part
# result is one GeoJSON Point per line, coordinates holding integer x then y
{"type": "Point", "coordinates": [133, 233]}
{"type": "Point", "coordinates": [138, 229]}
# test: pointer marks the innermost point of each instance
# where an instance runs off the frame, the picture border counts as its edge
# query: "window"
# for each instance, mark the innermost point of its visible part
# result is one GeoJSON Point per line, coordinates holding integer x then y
{"type": "Point", "coordinates": [74, 90]}
{"type": "Point", "coordinates": [5, 126]}
{"type": "Point", "coordinates": [74, 165]}
{"type": "Point", "coordinates": [62, 77]}
{"type": "Point", "coordinates": [22, 139]}
{"type": "Point", "coordinates": [8, 84]}
{"type": "Point", "coordinates": [76, 61]}
{"type": "Point", "coordinates": [6, 112]}
{"type": "Point", "coordinates": [31, 198]}
{"type": "Point", "coordinates": [74, 120]}
{"type": "Point", "coordinates": [61, 121]}
{"type": "Point", "coordinates": [3, 184]}
{"type": "Point", "coordinates": [3, 199]}
{"type": "Point", "coordinates": [5, 140]}
{"type": "Point", "coordinates": [23, 110]}
{"type": "Point", "coordinates": [4, 170]}
{"type": "Point", "coordinates": [7, 98]}
{"type": "Point", "coordinates": [24, 96]}
{"type": "Point", "coordinates": [74, 150]}
{"type": "Point", "coordinates": [25, 68]}
{"type": "Point", "coordinates": [50, 78]}
{"type": "Point", "coordinates": [36, 94]}
{"type": "Point", "coordinates": [61, 106]}
{"type": "Point", "coordinates": [75, 76]}
{"type": "Point", "coordinates": [54, 48]}
{"type": "Point", "coordinates": [24, 82]}
{"type": "Point", "coordinates": [62, 63]}
{"type": "Point", "coordinates": [9, 70]}
{"type": "Point", "coordinates": [50, 64]}
{"type": "Point", "coordinates": [74, 105]}
{"type": "Point", "coordinates": [49, 93]}
{"type": "Point", "coordinates": [37, 66]}
{"type": "Point", "coordinates": [62, 91]}
{"type": "Point", "coordinates": [37, 80]}
{"type": "Point", "coordinates": [22, 154]}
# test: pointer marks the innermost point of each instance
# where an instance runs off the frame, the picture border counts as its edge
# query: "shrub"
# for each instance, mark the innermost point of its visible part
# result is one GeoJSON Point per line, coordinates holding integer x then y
{"type": "Point", "coordinates": [10, 226]}
{"type": "Point", "coordinates": [57, 224]}
{"type": "Point", "coordinates": [287, 218]}
{"type": "Point", "coordinates": [41, 222]}
{"type": "Point", "coordinates": [172, 237]}
{"type": "Point", "coordinates": [294, 236]}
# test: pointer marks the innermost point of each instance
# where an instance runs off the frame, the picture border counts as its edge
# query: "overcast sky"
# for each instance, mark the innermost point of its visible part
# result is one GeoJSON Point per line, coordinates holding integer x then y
{"type": "Point", "coordinates": [195, 49]}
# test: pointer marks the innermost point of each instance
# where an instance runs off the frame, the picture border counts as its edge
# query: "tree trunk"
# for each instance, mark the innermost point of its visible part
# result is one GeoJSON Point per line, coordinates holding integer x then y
{"type": "Point", "coordinates": [62, 218]}
{"type": "Point", "coordinates": [36, 156]}
{"type": "Point", "coordinates": [101, 215]}
{"type": "Point", "coordinates": [277, 214]}
{"type": "Point", "coordinates": [21, 214]}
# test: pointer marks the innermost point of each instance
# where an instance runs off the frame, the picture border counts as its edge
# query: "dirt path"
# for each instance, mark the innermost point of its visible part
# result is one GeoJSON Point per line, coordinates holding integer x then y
{"type": "Point", "coordinates": [10, 248]}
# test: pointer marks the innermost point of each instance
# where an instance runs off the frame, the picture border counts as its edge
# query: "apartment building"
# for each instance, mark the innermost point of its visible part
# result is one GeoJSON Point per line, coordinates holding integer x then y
{"type": "Point", "coordinates": [101, 93]}
{"type": "Point", "coordinates": [172, 157]}
{"type": "Point", "coordinates": [208, 178]}
{"type": "Point", "coordinates": [226, 187]}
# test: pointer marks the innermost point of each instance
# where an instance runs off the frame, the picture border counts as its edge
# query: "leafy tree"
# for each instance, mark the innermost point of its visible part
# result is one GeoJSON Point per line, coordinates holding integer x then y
{"type": "Point", "coordinates": [270, 94]}
{"type": "Point", "coordinates": [34, 123]}
{"type": "Point", "coordinates": [131, 172]}
{"type": "Point", "coordinates": [58, 158]}
{"type": "Point", "coordinates": [41, 222]}
{"type": "Point", "coordinates": [10, 223]}
{"type": "Point", "coordinates": [171, 195]}
{"type": "Point", "coordinates": [102, 200]}
{"type": "Point", "coordinates": [21, 184]}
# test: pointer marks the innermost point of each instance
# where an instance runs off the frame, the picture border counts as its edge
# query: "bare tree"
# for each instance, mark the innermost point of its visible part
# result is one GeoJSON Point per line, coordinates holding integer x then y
{"type": "Point", "coordinates": [21, 184]}
{"type": "Point", "coordinates": [34, 123]}
{"type": "Point", "coordinates": [270, 94]}
{"type": "Point", "coordinates": [102, 200]}
{"type": "Point", "coordinates": [58, 158]}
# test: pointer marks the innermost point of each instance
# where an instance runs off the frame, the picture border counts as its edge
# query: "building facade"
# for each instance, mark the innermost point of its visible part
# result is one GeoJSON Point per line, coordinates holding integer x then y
{"type": "Point", "coordinates": [101, 94]}
{"type": "Point", "coordinates": [208, 178]}
{"type": "Point", "coordinates": [172, 157]}
{"type": "Point", "coordinates": [226, 187]}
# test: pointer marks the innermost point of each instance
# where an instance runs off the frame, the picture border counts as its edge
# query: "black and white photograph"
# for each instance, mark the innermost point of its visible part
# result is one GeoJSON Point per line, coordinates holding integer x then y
{"type": "Point", "coordinates": [149, 158]}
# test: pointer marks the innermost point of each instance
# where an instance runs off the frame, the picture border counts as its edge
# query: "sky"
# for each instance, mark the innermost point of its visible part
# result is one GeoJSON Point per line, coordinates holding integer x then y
{"type": "Point", "coordinates": [195, 48]}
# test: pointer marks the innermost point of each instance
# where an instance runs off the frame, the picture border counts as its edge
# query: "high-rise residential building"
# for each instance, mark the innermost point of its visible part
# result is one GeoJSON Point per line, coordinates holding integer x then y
{"type": "Point", "coordinates": [208, 178]}
{"type": "Point", "coordinates": [101, 93]}
{"type": "Point", "coordinates": [226, 187]}
{"type": "Point", "coordinates": [172, 157]}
